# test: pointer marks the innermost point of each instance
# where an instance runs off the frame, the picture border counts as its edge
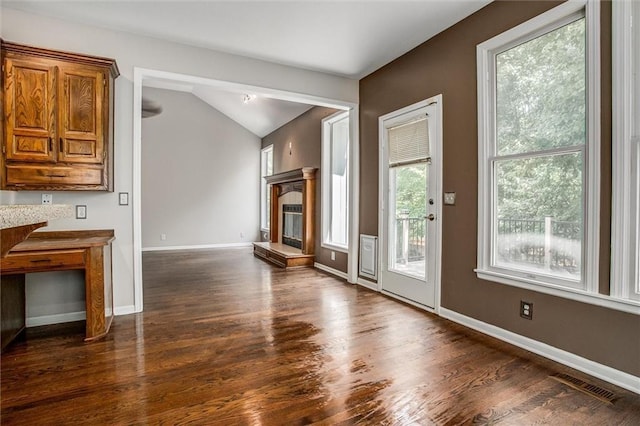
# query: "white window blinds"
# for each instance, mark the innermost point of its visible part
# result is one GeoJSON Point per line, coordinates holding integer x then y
{"type": "Point", "coordinates": [409, 142]}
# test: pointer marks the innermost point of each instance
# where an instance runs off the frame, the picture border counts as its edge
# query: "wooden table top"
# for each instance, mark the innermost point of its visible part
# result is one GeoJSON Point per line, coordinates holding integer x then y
{"type": "Point", "coordinates": [59, 240]}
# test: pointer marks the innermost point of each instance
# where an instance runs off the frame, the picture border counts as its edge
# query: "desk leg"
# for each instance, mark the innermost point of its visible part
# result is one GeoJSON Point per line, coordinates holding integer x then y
{"type": "Point", "coordinates": [97, 322]}
{"type": "Point", "coordinates": [12, 308]}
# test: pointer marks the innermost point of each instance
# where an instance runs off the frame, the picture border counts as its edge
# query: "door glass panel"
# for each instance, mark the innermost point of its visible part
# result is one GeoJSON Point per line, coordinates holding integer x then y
{"type": "Point", "coordinates": [407, 208]}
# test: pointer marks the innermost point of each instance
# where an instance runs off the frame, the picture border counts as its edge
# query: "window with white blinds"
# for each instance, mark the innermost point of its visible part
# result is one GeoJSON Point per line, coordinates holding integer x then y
{"type": "Point", "coordinates": [409, 142]}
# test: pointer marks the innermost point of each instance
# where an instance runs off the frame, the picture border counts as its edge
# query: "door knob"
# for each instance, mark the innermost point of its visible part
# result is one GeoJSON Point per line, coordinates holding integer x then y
{"type": "Point", "coordinates": [431, 217]}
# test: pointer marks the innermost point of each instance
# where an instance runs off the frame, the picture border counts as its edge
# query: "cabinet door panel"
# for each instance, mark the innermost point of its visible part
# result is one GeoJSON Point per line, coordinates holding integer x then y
{"type": "Point", "coordinates": [81, 109]}
{"type": "Point", "coordinates": [30, 111]}
{"type": "Point", "coordinates": [80, 148]}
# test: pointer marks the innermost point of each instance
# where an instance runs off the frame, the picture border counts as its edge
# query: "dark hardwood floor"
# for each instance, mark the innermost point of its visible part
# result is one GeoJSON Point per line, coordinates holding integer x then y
{"type": "Point", "coordinates": [228, 339]}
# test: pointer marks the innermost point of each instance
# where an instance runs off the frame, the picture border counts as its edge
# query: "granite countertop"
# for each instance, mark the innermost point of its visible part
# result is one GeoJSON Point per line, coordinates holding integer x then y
{"type": "Point", "coordinates": [12, 216]}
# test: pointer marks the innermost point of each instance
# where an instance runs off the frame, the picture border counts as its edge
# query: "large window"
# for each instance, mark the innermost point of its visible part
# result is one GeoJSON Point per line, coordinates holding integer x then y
{"type": "Point", "coordinates": [335, 181]}
{"type": "Point", "coordinates": [266, 169]}
{"type": "Point", "coordinates": [538, 163]}
{"type": "Point", "coordinates": [625, 236]}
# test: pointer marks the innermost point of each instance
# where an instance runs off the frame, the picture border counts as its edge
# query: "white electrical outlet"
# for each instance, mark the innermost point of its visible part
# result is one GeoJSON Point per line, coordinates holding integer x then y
{"type": "Point", "coordinates": [47, 199]}
{"type": "Point", "coordinates": [163, 237]}
{"type": "Point", "coordinates": [333, 255]}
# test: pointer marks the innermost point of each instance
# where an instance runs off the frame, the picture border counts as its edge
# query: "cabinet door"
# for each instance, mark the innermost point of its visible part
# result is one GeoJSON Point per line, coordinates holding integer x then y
{"type": "Point", "coordinates": [30, 99]}
{"type": "Point", "coordinates": [81, 109]}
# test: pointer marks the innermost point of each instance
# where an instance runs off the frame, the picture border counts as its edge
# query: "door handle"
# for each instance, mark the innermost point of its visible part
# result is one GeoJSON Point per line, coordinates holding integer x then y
{"type": "Point", "coordinates": [61, 145]}
{"type": "Point", "coordinates": [431, 217]}
{"type": "Point", "coordinates": [50, 144]}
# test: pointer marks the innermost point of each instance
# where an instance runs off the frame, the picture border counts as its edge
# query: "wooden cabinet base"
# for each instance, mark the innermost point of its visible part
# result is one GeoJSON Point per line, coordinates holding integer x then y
{"type": "Point", "coordinates": [282, 255]}
{"type": "Point", "coordinates": [12, 308]}
{"type": "Point", "coordinates": [89, 251]}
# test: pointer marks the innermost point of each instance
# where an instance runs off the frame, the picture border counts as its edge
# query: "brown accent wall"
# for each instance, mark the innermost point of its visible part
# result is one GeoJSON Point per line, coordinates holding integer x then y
{"type": "Point", "coordinates": [305, 133]}
{"type": "Point", "coordinates": [446, 64]}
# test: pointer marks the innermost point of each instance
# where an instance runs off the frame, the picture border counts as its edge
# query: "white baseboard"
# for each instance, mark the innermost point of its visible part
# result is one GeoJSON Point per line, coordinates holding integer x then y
{"type": "Point", "coordinates": [198, 247]}
{"type": "Point", "coordinates": [611, 375]}
{"type": "Point", "coordinates": [330, 270]}
{"type": "Point", "coordinates": [368, 284]}
{"type": "Point", "coordinates": [124, 310]}
{"type": "Point", "coordinates": [56, 318]}
{"type": "Point", "coordinates": [72, 316]}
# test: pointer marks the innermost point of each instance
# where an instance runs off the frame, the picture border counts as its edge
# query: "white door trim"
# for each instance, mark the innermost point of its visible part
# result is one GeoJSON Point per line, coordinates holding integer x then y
{"type": "Point", "coordinates": [437, 162]}
{"type": "Point", "coordinates": [142, 74]}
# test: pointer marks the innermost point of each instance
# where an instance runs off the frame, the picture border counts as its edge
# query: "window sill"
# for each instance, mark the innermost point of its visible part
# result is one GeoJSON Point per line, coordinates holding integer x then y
{"type": "Point", "coordinates": [341, 249]}
{"type": "Point", "coordinates": [624, 305]}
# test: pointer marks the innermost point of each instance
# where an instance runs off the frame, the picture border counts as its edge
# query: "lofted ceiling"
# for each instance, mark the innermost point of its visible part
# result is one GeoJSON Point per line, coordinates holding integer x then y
{"type": "Point", "coordinates": [347, 38]}
{"type": "Point", "coordinates": [261, 115]}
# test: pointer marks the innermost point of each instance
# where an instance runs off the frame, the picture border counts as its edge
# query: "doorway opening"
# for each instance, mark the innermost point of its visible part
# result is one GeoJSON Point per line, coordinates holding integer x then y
{"type": "Point", "coordinates": [143, 76]}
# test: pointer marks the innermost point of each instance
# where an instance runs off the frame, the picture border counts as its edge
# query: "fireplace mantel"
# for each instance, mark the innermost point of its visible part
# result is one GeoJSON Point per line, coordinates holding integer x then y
{"type": "Point", "coordinates": [299, 180]}
{"type": "Point", "coordinates": [305, 173]}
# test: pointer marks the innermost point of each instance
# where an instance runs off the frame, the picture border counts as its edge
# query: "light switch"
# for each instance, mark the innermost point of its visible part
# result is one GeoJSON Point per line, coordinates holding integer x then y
{"type": "Point", "coordinates": [81, 212]}
{"type": "Point", "coordinates": [123, 199]}
{"type": "Point", "coordinates": [450, 198]}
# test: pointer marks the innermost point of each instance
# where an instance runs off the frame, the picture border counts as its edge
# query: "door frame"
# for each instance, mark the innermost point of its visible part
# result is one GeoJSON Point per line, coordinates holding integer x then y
{"type": "Point", "coordinates": [145, 75]}
{"type": "Point", "coordinates": [436, 161]}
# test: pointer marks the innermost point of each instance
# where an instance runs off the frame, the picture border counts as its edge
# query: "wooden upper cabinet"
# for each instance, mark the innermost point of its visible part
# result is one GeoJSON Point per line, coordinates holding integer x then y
{"type": "Point", "coordinates": [57, 121]}
{"type": "Point", "coordinates": [81, 116]}
{"type": "Point", "coordinates": [30, 111]}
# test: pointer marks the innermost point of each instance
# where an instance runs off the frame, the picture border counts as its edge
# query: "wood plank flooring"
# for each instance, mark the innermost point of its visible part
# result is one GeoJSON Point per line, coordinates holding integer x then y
{"type": "Point", "coordinates": [227, 339]}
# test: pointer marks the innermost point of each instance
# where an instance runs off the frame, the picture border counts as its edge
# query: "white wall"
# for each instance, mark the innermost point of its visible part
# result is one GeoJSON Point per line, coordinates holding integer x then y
{"type": "Point", "coordinates": [134, 51]}
{"type": "Point", "coordinates": [200, 175]}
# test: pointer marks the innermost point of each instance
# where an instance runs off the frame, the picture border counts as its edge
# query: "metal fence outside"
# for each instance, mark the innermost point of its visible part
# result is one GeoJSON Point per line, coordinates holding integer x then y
{"type": "Point", "coordinates": [554, 245]}
{"type": "Point", "coordinates": [410, 239]}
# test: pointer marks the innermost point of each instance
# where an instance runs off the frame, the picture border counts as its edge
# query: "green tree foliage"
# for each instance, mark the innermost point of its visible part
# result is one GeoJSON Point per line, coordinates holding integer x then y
{"type": "Point", "coordinates": [411, 190]}
{"type": "Point", "coordinates": [541, 105]}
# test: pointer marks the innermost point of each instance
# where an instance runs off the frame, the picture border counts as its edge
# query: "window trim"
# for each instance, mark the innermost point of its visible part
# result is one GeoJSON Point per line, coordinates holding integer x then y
{"type": "Point", "coordinates": [326, 183]}
{"type": "Point", "coordinates": [264, 187]}
{"type": "Point", "coordinates": [486, 95]}
{"type": "Point", "coordinates": [624, 217]}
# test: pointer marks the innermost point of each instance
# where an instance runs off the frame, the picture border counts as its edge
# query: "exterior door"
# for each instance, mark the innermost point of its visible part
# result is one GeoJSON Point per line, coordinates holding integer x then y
{"type": "Point", "coordinates": [411, 196]}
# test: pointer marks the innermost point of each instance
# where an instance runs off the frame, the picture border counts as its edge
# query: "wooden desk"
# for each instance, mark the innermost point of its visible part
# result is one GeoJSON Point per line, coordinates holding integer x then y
{"type": "Point", "coordinates": [59, 251]}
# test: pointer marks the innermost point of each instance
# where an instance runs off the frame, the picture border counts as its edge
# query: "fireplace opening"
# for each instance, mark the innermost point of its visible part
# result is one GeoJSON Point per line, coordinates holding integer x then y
{"type": "Point", "coordinates": [292, 225]}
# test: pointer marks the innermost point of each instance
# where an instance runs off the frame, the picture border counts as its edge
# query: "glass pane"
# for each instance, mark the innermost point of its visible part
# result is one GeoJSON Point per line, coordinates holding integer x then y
{"type": "Point", "coordinates": [635, 251]}
{"type": "Point", "coordinates": [269, 172]}
{"type": "Point", "coordinates": [266, 169]}
{"type": "Point", "coordinates": [339, 163]}
{"type": "Point", "coordinates": [408, 207]}
{"type": "Point", "coordinates": [539, 220]}
{"type": "Point", "coordinates": [541, 92]}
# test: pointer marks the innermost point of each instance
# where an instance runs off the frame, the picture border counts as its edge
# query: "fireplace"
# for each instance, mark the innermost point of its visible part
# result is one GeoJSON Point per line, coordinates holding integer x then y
{"type": "Point", "coordinates": [292, 239]}
{"type": "Point", "coordinates": [292, 225]}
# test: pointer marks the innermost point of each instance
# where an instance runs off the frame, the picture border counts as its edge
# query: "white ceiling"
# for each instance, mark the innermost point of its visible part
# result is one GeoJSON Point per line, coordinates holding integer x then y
{"type": "Point", "coordinates": [261, 116]}
{"type": "Point", "coordinates": [347, 38]}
